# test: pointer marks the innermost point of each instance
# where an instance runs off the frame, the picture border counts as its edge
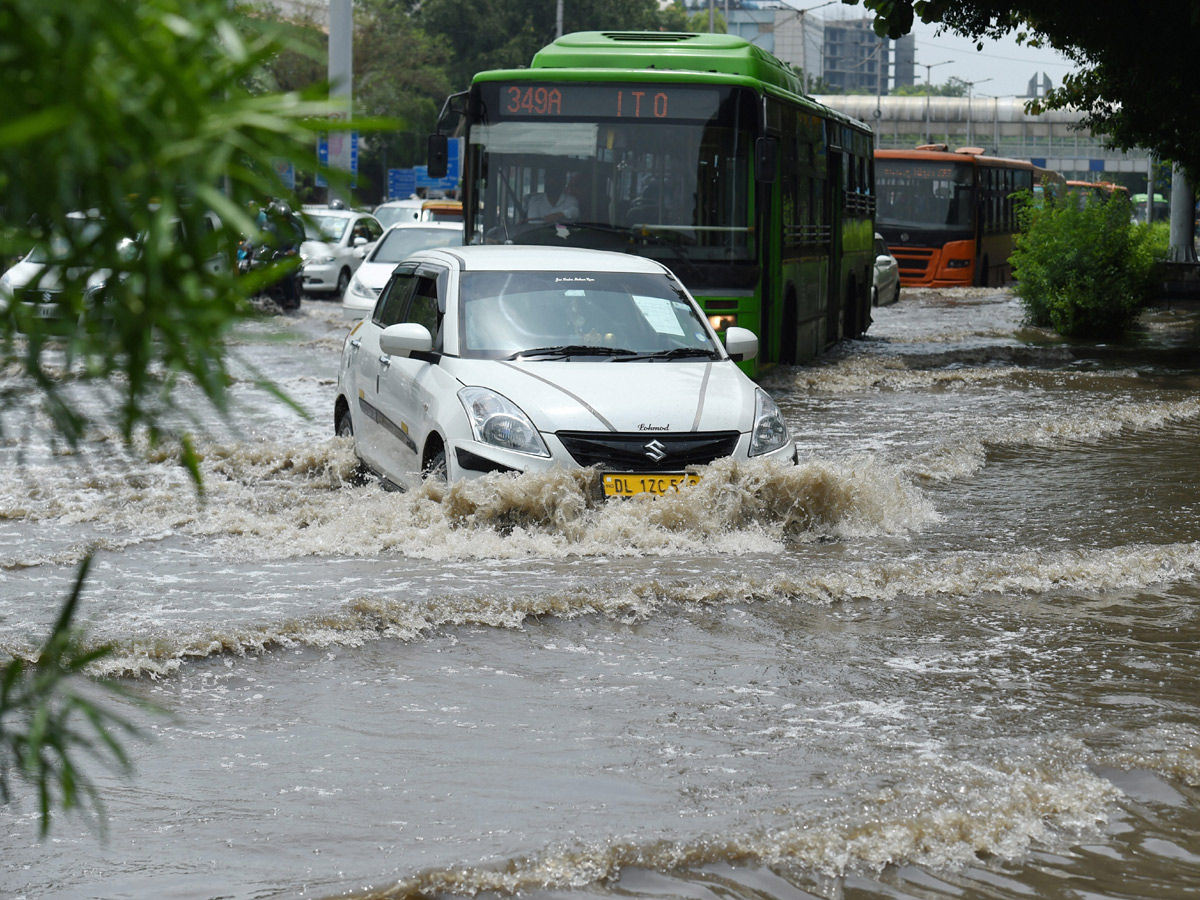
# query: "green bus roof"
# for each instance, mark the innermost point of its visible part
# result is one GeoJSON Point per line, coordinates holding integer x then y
{"type": "Point", "coordinates": [672, 56]}
{"type": "Point", "coordinates": [722, 53]}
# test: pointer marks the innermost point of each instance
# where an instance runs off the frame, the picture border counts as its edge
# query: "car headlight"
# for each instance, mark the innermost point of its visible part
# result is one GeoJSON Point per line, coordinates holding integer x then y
{"type": "Point", "coordinates": [360, 290]}
{"type": "Point", "coordinates": [497, 421]}
{"type": "Point", "coordinates": [319, 260]}
{"type": "Point", "coordinates": [770, 433]}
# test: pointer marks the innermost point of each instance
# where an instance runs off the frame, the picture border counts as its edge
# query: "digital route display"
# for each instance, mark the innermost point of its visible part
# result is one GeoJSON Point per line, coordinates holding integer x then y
{"type": "Point", "coordinates": [660, 102]}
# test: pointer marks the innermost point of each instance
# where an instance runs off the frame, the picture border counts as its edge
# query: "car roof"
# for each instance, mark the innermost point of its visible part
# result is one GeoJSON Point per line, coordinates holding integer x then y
{"type": "Point", "coordinates": [438, 226]}
{"type": "Point", "coordinates": [334, 213]}
{"type": "Point", "coordinates": [508, 257]}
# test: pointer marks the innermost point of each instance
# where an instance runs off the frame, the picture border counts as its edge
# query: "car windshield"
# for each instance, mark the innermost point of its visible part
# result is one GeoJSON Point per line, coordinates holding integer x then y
{"type": "Point", "coordinates": [399, 243]}
{"type": "Point", "coordinates": [390, 215]}
{"type": "Point", "coordinates": [84, 231]}
{"type": "Point", "coordinates": [325, 228]}
{"type": "Point", "coordinates": [555, 315]}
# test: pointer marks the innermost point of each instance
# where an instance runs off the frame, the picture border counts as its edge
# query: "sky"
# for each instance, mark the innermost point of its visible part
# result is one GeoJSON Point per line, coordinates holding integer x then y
{"type": "Point", "coordinates": [1007, 64]}
{"type": "Point", "coordinates": [1002, 69]}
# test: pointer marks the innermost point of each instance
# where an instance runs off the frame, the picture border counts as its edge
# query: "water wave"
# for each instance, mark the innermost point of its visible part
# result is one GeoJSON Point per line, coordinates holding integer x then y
{"type": "Point", "coordinates": [948, 815]}
{"type": "Point", "coordinates": [275, 500]}
{"type": "Point", "coordinates": [964, 455]}
{"type": "Point", "coordinates": [630, 600]}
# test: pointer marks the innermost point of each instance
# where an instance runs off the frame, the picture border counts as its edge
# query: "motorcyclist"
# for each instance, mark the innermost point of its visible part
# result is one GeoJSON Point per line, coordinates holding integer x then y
{"type": "Point", "coordinates": [283, 234]}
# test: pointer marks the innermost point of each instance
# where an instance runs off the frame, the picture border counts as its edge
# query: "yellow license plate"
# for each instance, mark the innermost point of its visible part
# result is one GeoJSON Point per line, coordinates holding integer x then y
{"type": "Point", "coordinates": [621, 485]}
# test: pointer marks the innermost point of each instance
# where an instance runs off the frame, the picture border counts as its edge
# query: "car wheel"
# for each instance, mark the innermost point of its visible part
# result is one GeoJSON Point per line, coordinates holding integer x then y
{"type": "Point", "coordinates": [435, 467]}
{"type": "Point", "coordinates": [344, 428]}
{"type": "Point", "coordinates": [343, 283]}
{"type": "Point", "coordinates": [896, 296]}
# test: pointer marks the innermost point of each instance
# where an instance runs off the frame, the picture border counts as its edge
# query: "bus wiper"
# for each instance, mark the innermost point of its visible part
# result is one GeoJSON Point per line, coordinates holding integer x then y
{"type": "Point", "coordinates": [677, 353]}
{"type": "Point", "coordinates": [570, 350]}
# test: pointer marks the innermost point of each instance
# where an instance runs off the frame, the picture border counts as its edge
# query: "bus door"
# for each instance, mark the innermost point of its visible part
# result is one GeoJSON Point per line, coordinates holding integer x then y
{"type": "Point", "coordinates": [833, 204]}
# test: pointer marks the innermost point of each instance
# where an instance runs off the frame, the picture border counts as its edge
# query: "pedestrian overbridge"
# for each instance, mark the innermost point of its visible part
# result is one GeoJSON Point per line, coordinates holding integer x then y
{"type": "Point", "coordinates": [1000, 125]}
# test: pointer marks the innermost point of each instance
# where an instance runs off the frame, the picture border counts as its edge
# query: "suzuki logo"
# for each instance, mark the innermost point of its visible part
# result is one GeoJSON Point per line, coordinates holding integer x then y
{"type": "Point", "coordinates": [656, 450]}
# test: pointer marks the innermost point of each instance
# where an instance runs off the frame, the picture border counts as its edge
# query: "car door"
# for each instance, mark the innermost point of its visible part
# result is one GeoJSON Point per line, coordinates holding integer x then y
{"type": "Point", "coordinates": [366, 365]}
{"type": "Point", "coordinates": [406, 398]}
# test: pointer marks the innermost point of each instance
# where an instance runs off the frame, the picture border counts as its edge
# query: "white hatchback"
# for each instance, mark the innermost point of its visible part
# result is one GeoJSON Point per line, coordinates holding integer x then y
{"type": "Point", "coordinates": [517, 359]}
{"type": "Point", "coordinates": [398, 242]}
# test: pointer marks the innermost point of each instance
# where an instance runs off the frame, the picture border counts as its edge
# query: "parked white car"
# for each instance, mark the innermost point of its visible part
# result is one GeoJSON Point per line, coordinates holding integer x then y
{"type": "Point", "coordinates": [886, 289]}
{"type": "Point", "coordinates": [334, 247]}
{"type": "Point", "coordinates": [397, 244]}
{"type": "Point", "coordinates": [500, 358]}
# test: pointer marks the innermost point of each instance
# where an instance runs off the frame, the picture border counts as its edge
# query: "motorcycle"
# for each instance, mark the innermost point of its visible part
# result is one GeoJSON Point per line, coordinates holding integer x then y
{"type": "Point", "coordinates": [284, 289]}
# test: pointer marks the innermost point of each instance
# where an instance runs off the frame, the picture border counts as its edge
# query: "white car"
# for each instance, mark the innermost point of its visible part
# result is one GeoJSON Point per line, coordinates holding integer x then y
{"type": "Point", "coordinates": [334, 247]}
{"type": "Point", "coordinates": [886, 289]}
{"type": "Point", "coordinates": [40, 278]}
{"type": "Point", "coordinates": [494, 358]}
{"type": "Point", "coordinates": [398, 243]}
{"type": "Point", "coordinates": [394, 212]}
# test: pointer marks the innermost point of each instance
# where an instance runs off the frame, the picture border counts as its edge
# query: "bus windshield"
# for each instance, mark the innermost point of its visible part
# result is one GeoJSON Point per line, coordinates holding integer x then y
{"type": "Point", "coordinates": [664, 167]}
{"type": "Point", "coordinates": [919, 194]}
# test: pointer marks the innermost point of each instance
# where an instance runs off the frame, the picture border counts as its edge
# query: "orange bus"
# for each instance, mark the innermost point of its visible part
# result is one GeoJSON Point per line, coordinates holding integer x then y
{"type": "Point", "coordinates": [949, 217]}
{"type": "Point", "coordinates": [1098, 191]}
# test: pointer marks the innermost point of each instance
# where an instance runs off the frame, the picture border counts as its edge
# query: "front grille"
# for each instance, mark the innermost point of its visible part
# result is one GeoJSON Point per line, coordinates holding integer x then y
{"type": "Point", "coordinates": [633, 453]}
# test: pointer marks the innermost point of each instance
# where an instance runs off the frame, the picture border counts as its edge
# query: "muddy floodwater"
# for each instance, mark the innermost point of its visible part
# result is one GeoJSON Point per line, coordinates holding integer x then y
{"type": "Point", "coordinates": [954, 653]}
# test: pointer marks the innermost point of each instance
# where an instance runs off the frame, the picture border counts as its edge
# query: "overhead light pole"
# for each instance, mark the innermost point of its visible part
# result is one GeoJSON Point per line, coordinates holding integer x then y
{"type": "Point", "coordinates": [970, 88]}
{"type": "Point", "coordinates": [929, 67]}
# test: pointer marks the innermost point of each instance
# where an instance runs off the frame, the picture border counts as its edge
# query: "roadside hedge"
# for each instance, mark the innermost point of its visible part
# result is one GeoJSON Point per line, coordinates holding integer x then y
{"type": "Point", "coordinates": [1085, 270]}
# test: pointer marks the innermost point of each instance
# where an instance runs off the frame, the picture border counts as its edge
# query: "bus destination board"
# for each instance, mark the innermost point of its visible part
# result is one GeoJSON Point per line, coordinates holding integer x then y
{"type": "Point", "coordinates": [657, 102]}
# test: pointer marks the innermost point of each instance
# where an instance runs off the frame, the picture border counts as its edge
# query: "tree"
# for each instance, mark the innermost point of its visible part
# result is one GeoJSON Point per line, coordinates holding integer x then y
{"type": "Point", "coordinates": [138, 113]}
{"type": "Point", "coordinates": [505, 34]}
{"type": "Point", "coordinates": [1132, 81]}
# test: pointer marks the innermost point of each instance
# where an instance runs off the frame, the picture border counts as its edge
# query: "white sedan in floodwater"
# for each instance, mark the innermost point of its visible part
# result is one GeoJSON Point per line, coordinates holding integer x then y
{"type": "Point", "coordinates": [518, 359]}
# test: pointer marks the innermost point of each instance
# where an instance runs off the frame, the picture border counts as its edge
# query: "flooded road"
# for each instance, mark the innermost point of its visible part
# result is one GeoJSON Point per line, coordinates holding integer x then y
{"type": "Point", "coordinates": [955, 653]}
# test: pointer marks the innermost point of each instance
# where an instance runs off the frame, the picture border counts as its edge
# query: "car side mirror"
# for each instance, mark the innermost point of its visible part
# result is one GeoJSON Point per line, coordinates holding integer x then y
{"type": "Point", "coordinates": [741, 343]}
{"type": "Point", "coordinates": [360, 242]}
{"type": "Point", "coordinates": [405, 338]}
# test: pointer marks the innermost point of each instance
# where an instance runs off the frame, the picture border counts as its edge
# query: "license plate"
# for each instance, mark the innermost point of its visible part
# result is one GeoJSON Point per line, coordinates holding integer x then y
{"type": "Point", "coordinates": [622, 485]}
{"type": "Point", "coordinates": [47, 310]}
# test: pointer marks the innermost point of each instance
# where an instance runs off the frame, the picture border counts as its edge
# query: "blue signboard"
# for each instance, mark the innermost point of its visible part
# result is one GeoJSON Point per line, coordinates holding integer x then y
{"type": "Point", "coordinates": [402, 184]}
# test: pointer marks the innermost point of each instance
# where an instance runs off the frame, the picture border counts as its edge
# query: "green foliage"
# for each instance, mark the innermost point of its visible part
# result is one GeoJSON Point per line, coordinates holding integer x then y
{"type": "Point", "coordinates": [1084, 269]}
{"type": "Point", "coordinates": [141, 114]}
{"type": "Point", "coordinates": [137, 111]}
{"type": "Point", "coordinates": [47, 722]}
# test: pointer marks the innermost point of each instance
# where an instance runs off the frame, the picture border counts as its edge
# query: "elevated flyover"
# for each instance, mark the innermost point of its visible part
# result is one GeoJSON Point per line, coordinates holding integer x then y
{"type": "Point", "coordinates": [999, 125]}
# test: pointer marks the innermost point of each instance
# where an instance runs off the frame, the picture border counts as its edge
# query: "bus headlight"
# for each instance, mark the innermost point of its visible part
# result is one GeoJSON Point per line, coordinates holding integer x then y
{"type": "Point", "coordinates": [770, 433]}
{"type": "Point", "coordinates": [721, 321]}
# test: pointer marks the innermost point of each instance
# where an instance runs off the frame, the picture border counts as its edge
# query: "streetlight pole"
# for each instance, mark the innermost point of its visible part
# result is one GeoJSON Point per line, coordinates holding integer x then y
{"type": "Point", "coordinates": [970, 88]}
{"type": "Point", "coordinates": [929, 67]}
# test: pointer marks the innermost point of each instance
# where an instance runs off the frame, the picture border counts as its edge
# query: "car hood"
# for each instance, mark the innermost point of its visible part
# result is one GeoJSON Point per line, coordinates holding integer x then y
{"type": "Point", "coordinates": [375, 274]}
{"type": "Point", "coordinates": [26, 273]}
{"type": "Point", "coordinates": [310, 249]}
{"type": "Point", "coordinates": [623, 397]}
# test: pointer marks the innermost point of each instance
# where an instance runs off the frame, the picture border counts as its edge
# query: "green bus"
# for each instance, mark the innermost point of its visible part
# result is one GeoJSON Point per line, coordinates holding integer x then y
{"type": "Point", "coordinates": [698, 150]}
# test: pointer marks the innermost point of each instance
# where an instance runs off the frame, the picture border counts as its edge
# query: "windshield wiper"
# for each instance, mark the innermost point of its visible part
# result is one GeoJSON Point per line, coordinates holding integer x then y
{"type": "Point", "coordinates": [677, 353]}
{"type": "Point", "coordinates": [570, 350]}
